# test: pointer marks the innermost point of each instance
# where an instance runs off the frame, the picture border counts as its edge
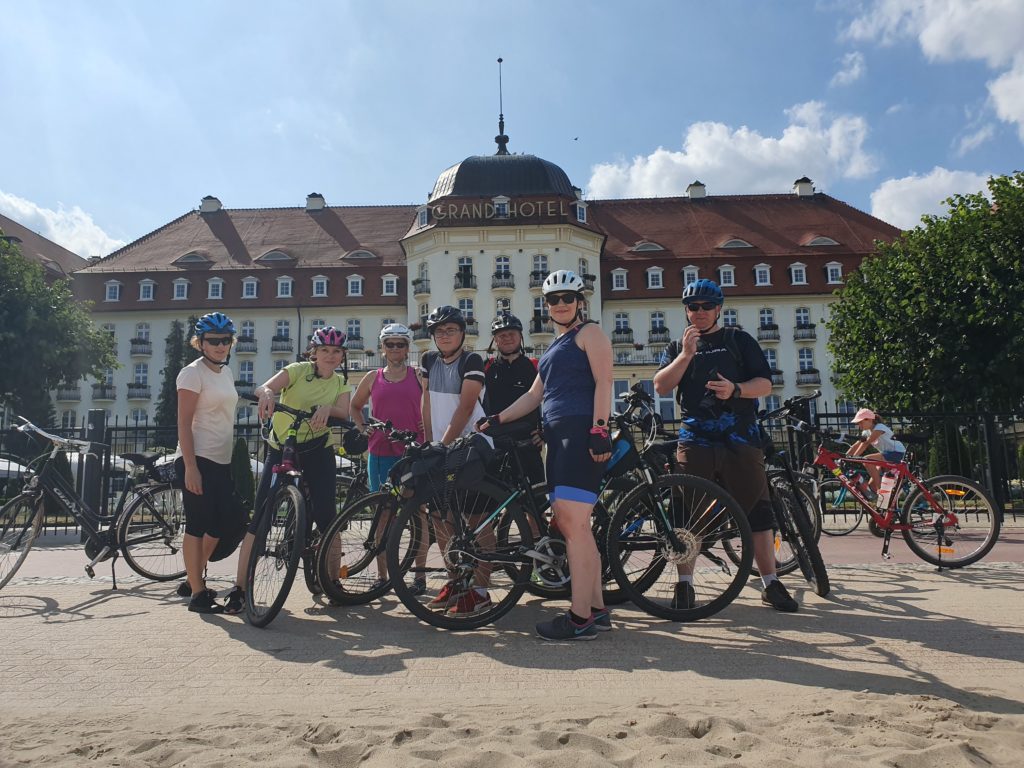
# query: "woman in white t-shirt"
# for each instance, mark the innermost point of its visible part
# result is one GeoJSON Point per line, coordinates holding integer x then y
{"type": "Point", "coordinates": [878, 438]}
{"type": "Point", "coordinates": [206, 419]}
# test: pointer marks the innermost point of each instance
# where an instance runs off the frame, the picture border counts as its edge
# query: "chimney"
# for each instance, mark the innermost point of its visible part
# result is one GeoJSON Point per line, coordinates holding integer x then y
{"type": "Point", "coordinates": [209, 204]}
{"type": "Point", "coordinates": [803, 187]}
{"type": "Point", "coordinates": [696, 190]}
{"type": "Point", "coordinates": [94, 259]}
{"type": "Point", "coordinates": [315, 202]}
{"type": "Point", "coordinates": [577, 192]}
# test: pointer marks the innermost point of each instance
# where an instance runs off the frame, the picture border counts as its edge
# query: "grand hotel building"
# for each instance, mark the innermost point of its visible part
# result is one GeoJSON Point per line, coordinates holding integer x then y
{"type": "Point", "coordinates": [490, 231]}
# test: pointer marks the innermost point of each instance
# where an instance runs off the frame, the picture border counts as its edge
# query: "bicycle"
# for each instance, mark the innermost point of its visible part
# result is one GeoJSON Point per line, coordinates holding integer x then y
{"type": "Point", "coordinates": [146, 526]}
{"type": "Point", "coordinates": [281, 528]}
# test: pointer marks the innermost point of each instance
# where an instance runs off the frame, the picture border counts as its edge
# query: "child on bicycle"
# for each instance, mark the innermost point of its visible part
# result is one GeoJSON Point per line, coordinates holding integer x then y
{"type": "Point", "coordinates": [307, 386]}
{"type": "Point", "coordinates": [878, 438]}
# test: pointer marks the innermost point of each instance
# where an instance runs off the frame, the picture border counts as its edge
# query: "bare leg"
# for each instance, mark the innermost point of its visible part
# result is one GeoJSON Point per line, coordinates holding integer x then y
{"type": "Point", "coordinates": [573, 519]}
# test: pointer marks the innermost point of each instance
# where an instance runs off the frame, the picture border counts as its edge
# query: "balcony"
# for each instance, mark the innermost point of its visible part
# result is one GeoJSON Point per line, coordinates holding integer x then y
{"type": "Point", "coordinates": [464, 281]}
{"type": "Point", "coordinates": [588, 282]}
{"type": "Point", "coordinates": [141, 347]}
{"type": "Point", "coordinates": [541, 325]}
{"type": "Point", "coordinates": [104, 392]}
{"type": "Point", "coordinates": [804, 332]}
{"type": "Point", "coordinates": [139, 392]}
{"type": "Point", "coordinates": [659, 336]}
{"type": "Point", "coordinates": [245, 345]}
{"type": "Point", "coordinates": [69, 394]}
{"type": "Point", "coordinates": [472, 328]}
{"type": "Point", "coordinates": [768, 333]}
{"type": "Point", "coordinates": [244, 387]}
{"type": "Point", "coordinates": [777, 379]}
{"type": "Point", "coordinates": [808, 378]}
{"type": "Point", "coordinates": [421, 334]}
{"type": "Point", "coordinates": [503, 281]}
{"type": "Point", "coordinates": [537, 278]}
{"type": "Point", "coordinates": [622, 336]}
{"type": "Point", "coordinates": [421, 286]}
{"type": "Point", "coordinates": [281, 344]}
{"type": "Point", "coordinates": [354, 342]}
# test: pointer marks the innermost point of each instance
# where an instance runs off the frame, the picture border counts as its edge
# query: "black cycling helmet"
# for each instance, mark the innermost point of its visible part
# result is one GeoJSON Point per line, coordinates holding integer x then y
{"type": "Point", "coordinates": [506, 321]}
{"type": "Point", "coordinates": [446, 313]}
{"type": "Point", "coordinates": [703, 290]}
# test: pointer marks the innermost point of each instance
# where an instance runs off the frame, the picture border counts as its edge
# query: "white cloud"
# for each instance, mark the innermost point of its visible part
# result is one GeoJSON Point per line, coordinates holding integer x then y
{"type": "Point", "coordinates": [975, 140]}
{"type": "Point", "coordinates": [902, 202]}
{"type": "Point", "coordinates": [72, 228]}
{"type": "Point", "coordinates": [852, 69]}
{"type": "Point", "coordinates": [954, 30]}
{"type": "Point", "coordinates": [742, 161]}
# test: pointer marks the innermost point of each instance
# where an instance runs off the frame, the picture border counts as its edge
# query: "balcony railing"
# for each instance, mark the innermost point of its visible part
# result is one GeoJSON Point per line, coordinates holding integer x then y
{"type": "Point", "coordinates": [804, 332]}
{"type": "Point", "coordinates": [354, 342]}
{"type": "Point", "coordinates": [245, 346]}
{"type": "Point", "coordinates": [503, 280]}
{"type": "Point", "coordinates": [541, 325]}
{"type": "Point", "coordinates": [537, 278]}
{"type": "Point", "coordinates": [588, 282]}
{"type": "Point", "coordinates": [472, 328]}
{"type": "Point", "coordinates": [808, 378]}
{"type": "Point", "coordinates": [139, 392]}
{"type": "Point", "coordinates": [420, 334]}
{"type": "Point", "coordinates": [622, 336]}
{"type": "Point", "coordinates": [69, 394]}
{"type": "Point", "coordinates": [768, 333]}
{"type": "Point", "coordinates": [659, 336]}
{"type": "Point", "coordinates": [421, 286]}
{"type": "Point", "coordinates": [282, 345]}
{"type": "Point", "coordinates": [141, 347]}
{"type": "Point", "coordinates": [104, 392]}
{"type": "Point", "coordinates": [465, 281]}
{"type": "Point", "coordinates": [778, 379]}
{"type": "Point", "coordinates": [245, 387]}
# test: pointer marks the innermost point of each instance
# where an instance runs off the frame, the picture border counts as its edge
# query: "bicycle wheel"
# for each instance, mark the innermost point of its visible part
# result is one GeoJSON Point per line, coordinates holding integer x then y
{"type": "Point", "coordinates": [150, 533]}
{"type": "Point", "coordinates": [678, 525]}
{"type": "Point", "coordinates": [351, 562]}
{"type": "Point", "coordinates": [310, 555]}
{"type": "Point", "coordinates": [804, 493]}
{"type": "Point", "coordinates": [795, 536]}
{"type": "Point", "coordinates": [841, 513]}
{"type": "Point", "coordinates": [20, 521]}
{"type": "Point", "coordinates": [274, 560]}
{"type": "Point", "coordinates": [474, 549]}
{"type": "Point", "coordinates": [961, 530]}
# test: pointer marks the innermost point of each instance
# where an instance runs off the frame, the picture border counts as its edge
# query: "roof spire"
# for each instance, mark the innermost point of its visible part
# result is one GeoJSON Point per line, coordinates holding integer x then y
{"type": "Point", "coordinates": [501, 139]}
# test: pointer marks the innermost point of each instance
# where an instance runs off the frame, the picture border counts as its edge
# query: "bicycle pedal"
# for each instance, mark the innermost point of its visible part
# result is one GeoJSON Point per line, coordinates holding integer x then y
{"type": "Point", "coordinates": [90, 571]}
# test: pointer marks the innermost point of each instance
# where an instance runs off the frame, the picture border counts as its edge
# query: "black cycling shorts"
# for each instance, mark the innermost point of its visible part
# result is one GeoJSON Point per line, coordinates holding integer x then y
{"type": "Point", "coordinates": [572, 473]}
{"type": "Point", "coordinates": [739, 469]}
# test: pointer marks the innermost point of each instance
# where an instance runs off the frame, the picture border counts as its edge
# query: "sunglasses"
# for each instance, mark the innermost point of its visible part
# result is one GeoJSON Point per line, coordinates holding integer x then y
{"type": "Point", "coordinates": [697, 306]}
{"type": "Point", "coordinates": [396, 345]}
{"type": "Point", "coordinates": [445, 332]}
{"type": "Point", "coordinates": [222, 341]}
{"type": "Point", "coordinates": [554, 299]}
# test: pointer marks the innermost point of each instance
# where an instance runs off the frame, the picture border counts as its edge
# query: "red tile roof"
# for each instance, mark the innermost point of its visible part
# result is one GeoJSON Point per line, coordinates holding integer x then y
{"type": "Point", "coordinates": [58, 259]}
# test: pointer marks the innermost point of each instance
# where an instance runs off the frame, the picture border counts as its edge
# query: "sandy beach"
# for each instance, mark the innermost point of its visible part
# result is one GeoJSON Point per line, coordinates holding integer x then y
{"type": "Point", "coordinates": [901, 666]}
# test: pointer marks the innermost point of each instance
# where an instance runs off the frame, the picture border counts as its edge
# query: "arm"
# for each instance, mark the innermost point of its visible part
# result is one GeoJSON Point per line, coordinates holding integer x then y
{"type": "Point", "coordinates": [360, 399]}
{"type": "Point", "coordinates": [526, 402]}
{"type": "Point", "coordinates": [268, 390]}
{"type": "Point", "coordinates": [187, 400]}
{"type": "Point", "coordinates": [338, 410]}
{"type": "Point", "coordinates": [668, 378]}
{"type": "Point", "coordinates": [749, 389]}
{"type": "Point", "coordinates": [428, 434]}
{"type": "Point", "coordinates": [599, 354]}
{"type": "Point", "coordinates": [467, 401]}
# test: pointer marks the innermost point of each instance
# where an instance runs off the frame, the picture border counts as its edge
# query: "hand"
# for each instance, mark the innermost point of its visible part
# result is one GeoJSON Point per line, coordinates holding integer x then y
{"type": "Point", "coordinates": [600, 444]}
{"type": "Point", "coordinates": [537, 438]}
{"type": "Point", "coordinates": [193, 480]}
{"type": "Point", "coordinates": [266, 405]}
{"type": "Point", "coordinates": [722, 387]}
{"type": "Point", "coordinates": [484, 422]}
{"type": "Point", "coordinates": [320, 417]}
{"type": "Point", "coordinates": [689, 340]}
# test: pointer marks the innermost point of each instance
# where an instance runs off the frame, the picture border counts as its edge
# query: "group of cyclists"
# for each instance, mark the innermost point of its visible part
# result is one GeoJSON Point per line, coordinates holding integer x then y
{"type": "Point", "coordinates": [717, 374]}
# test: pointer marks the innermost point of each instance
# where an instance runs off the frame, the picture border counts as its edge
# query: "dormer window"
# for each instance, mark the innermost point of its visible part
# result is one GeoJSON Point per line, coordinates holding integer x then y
{"type": "Point", "coordinates": [147, 290]}
{"type": "Point", "coordinates": [690, 273]}
{"type": "Point", "coordinates": [798, 274]}
{"type": "Point", "coordinates": [113, 291]}
{"type": "Point", "coordinates": [646, 245]}
{"type": "Point", "coordinates": [180, 291]}
{"type": "Point", "coordinates": [250, 288]}
{"type": "Point", "coordinates": [192, 257]}
{"type": "Point", "coordinates": [619, 282]}
{"type": "Point", "coordinates": [360, 254]}
{"type": "Point", "coordinates": [762, 275]}
{"type": "Point", "coordinates": [735, 242]}
{"type": "Point", "coordinates": [320, 283]}
{"type": "Point", "coordinates": [215, 288]}
{"type": "Point", "coordinates": [581, 212]}
{"type": "Point", "coordinates": [355, 285]}
{"type": "Point", "coordinates": [500, 207]}
{"type": "Point", "coordinates": [422, 216]}
{"type": "Point", "coordinates": [655, 277]}
{"type": "Point", "coordinates": [727, 276]}
{"type": "Point", "coordinates": [284, 287]}
{"type": "Point", "coordinates": [274, 255]}
{"type": "Point", "coordinates": [834, 272]}
{"type": "Point", "coordinates": [820, 240]}
{"type": "Point", "coordinates": [389, 285]}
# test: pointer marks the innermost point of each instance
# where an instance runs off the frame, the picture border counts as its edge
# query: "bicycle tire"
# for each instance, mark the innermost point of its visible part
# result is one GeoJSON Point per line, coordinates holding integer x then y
{"type": "Point", "coordinates": [274, 559]}
{"type": "Point", "coordinates": [840, 512]}
{"type": "Point", "coordinates": [310, 555]}
{"type": "Point", "coordinates": [21, 518]}
{"type": "Point", "coordinates": [796, 529]}
{"type": "Point", "coordinates": [785, 555]}
{"type": "Point", "coordinates": [353, 546]}
{"type": "Point", "coordinates": [150, 533]}
{"type": "Point", "coordinates": [702, 516]}
{"type": "Point", "coordinates": [802, 488]}
{"type": "Point", "coordinates": [508, 572]}
{"type": "Point", "coordinates": [964, 498]}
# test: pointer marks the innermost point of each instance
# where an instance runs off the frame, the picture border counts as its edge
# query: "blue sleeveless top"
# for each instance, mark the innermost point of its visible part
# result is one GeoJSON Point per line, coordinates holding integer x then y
{"type": "Point", "coordinates": [568, 382]}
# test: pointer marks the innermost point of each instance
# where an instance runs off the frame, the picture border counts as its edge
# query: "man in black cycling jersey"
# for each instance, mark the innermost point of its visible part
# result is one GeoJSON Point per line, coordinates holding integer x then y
{"type": "Point", "coordinates": [718, 374]}
{"type": "Point", "coordinates": [509, 375]}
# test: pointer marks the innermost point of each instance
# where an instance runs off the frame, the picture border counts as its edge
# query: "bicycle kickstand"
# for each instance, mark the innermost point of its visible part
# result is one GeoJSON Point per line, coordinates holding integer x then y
{"type": "Point", "coordinates": [885, 544]}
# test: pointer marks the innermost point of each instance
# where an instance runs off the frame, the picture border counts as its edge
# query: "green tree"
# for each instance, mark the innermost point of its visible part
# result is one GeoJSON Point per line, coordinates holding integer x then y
{"type": "Point", "coordinates": [936, 318]}
{"type": "Point", "coordinates": [47, 337]}
{"type": "Point", "coordinates": [167, 403]}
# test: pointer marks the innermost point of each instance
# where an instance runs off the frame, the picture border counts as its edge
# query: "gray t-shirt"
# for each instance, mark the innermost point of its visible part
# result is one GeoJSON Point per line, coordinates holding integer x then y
{"type": "Point", "coordinates": [444, 385]}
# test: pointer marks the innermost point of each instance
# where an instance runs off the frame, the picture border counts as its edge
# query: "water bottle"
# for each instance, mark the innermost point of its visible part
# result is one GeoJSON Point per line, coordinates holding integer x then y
{"type": "Point", "coordinates": [885, 489]}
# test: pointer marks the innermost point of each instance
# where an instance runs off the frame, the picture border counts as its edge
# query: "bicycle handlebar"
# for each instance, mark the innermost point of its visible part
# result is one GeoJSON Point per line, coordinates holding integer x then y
{"type": "Point", "coordinates": [68, 442]}
{"type": "Point", "coordinates": [333, 421]}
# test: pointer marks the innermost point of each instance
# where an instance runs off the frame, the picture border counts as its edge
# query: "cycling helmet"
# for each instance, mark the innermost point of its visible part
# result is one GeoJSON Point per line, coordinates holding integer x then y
{"type": "Point", "coordinates": [214, 322]}
{"type": "Point", "coordinates": [562, 280]}
{"type": "Point", "coordinates": [703, 290]}
{"type": "Point", "coordinates": [327, 337]}
{"type": "Point", "coordinates": [395, 331]}
{"type": "Point", "coordinates": [446, 313]}
{"type": "Point", "coordinates": [506, 322]}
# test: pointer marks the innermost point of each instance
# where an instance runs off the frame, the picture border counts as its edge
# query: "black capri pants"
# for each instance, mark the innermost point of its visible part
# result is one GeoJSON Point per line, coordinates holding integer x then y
{"type": "Point", "coordinates": [208, 513]}
{"type": "Point", "coordinates": [319, 473]}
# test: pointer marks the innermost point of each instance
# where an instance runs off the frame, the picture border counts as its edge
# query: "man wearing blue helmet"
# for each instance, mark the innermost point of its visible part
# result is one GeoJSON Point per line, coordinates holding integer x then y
{"type": "Point", "coordinates": [718, 374]}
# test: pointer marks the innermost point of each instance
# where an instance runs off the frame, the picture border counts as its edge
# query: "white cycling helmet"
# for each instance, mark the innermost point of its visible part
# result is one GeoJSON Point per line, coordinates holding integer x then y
{"type": "Point", "coordinates": [395, 331]}
{"type": "Point", "coordinates": [562, 280]}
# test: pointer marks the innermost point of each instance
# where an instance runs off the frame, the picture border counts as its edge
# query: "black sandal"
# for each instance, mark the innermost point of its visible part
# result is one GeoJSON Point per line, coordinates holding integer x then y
{"type": "Point", "coordinates": [236, 601]}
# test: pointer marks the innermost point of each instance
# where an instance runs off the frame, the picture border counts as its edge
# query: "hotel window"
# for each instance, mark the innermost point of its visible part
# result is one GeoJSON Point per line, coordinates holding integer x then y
{"type": "Point", "coordinates": [215, 288]}
{"type": "Point", "coordinates": [655, 278]}
{"type": "Point", "coordinates": [113, 292]}
{"type": "Point", "coordinates": [690, 274]}
{"type": "Point", "coordinates": [466, 307]}
{"type": "Point", "coordinates": [619, 280]}
{"type": "Point", "coordinates": [771, 358]}
{"type": "Point", "coordinates": [284, 329]}
{"type": "Point", "coordinates": [500, 207]}
{"type": "Point", "coordinates": [138, 414]}
{"type": "Point", "coordinates": [389, 285]}
{"type": "Point", "coordinates": [657, 321]}
{"type": "Point", "coordinates": [67, 420]}
{"type": "Point", "coordinates": [141, 374]}
{"type": "Point", "coordinates": [762, 275]}
{"type": "Point", "coordinates": [248, 330]}
{"type": "Point", "coordinates": [355, 285]}
{"type": "Point", "coordinates": [803, 317]}
{"type": "Point", "coordinates": [246, 372]}
{"type": "Point", "coordinates": [772, 403]}
{"type": "Point", "coordinates": [503, 305]}
{"type": "Point", "coordinates": [319, 287]}
{"type": "Point", "coordinates": [424, 310]}
{"type": "Point", "coordinates": [421, 217]}
{"type": "Point", "coordinates": [501, 267]}
{"type": "Point", "coordinates": [424, 271]}
{"type": "Point", "coordinates": [147, 289]}
{"type": "Point", "coordinates": [798, 274]}
{"type": "Point", "coordinates": [250, 288]}
{"type": "Point", "coordinates": [108, 377]}
{"type": "Point", "coordinates": [729, 317]}
{"type": "Point", "coordinates": [806, 357]}
{"type": "Point", "coordinates": [109, 328]}
{"type": "Point", "coordinates": [279, 364]}
{"type": "Point", "coordinates": [316, 325]}
{"type": "Point", "coordinates": [540, 307]}
{"type": "Point", "coordinates": [582, 268]}
{"type": "Point", "coordinates": [142, 331]}
{"type": "Point", "coordinates": [621, 321]}
{"type": "Point", "coordinates": [354, 329]}
{"type": "Point", "coordinates": [834, 272]}
{"type": "Point", "coordinates": [284, 287]}
{"type": "Point", "coordinates": [581, 212]}
{"type": "Point", "coordinates": [767, 317]}
{"type": "Point", "coordinates": [727, 276]}
{"type": "Point", "coordinates": [180, 289]}
{"type": "Point", "coordinates": [540, 263]}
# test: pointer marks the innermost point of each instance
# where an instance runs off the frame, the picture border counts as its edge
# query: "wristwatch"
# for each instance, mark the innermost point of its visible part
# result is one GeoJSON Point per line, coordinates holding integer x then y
{"type": "Point", "coordinates": [736, 393]}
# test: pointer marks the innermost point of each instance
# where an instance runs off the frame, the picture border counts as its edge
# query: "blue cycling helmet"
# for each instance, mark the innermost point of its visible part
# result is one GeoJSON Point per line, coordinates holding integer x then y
{"type": "Point", "coordinates": [214, 322]}
{"type": "Point", "coordinates": [703, 290]}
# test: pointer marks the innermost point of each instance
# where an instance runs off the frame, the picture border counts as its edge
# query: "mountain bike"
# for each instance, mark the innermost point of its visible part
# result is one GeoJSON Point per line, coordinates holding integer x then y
{"type": "Point", "coordinates": [145, 527]}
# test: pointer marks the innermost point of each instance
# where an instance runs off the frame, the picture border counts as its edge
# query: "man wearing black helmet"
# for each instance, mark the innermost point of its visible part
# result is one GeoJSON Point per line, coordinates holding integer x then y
{"type": "Point", "coordinates": [718, 374]}
{"type": "Point", "coordinates": [509, 375]}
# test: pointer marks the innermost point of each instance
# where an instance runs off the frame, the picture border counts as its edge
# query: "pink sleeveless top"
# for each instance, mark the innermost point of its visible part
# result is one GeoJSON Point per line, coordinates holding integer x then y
{"type": "Point", "coordinates": [399, 403]}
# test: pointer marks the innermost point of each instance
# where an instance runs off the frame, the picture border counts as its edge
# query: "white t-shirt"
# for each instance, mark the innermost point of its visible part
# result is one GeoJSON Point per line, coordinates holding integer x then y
{"type": "Point", "coordinates": [213, 424]}
{"type": "Point", "coordinates": [885, 442]}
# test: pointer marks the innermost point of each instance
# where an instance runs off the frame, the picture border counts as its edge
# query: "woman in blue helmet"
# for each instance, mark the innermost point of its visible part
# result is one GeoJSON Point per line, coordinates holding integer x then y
{"type": "Point", "coordinates": [206, 423]}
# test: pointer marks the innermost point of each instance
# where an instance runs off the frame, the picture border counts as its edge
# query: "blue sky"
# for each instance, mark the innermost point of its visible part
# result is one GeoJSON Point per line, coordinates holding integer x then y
{"type": "Point", "coordinates": [120, 116]}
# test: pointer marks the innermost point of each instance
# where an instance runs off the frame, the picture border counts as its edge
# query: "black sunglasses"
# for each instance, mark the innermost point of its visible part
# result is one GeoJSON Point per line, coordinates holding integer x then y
{"type": "Point", "coordinates": [396, 345]}
{"type": "Point", "coordinates": [694, 306]}
{"type": "Point", "coordinates": [222, 341]}
{"type": "Point", "coordinates": [554, 299]}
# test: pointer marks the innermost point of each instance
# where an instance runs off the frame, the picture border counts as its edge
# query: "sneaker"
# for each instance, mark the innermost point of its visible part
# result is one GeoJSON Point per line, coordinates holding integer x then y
{"type": "Point", "coordinates": [470, 604]}
{"type": "Point", "coordinates": [185, 590]}
{"type": "Point", "coordinates": [603, 620]}
{"type": "Point", "coordinates": [563, 628]}
{"type": "Point", "coordinates": [419, 587]}
{"type": "Point", "coordinates": [444, 597]}
{"type": "Point", "coordinates": [235, 603]}
{"type": "Point", "coordinates": [777, 597]}
{"type": "Point", "coordinates": [203, 603]}
{"type": "Point", "coordinates": [684, 598]}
